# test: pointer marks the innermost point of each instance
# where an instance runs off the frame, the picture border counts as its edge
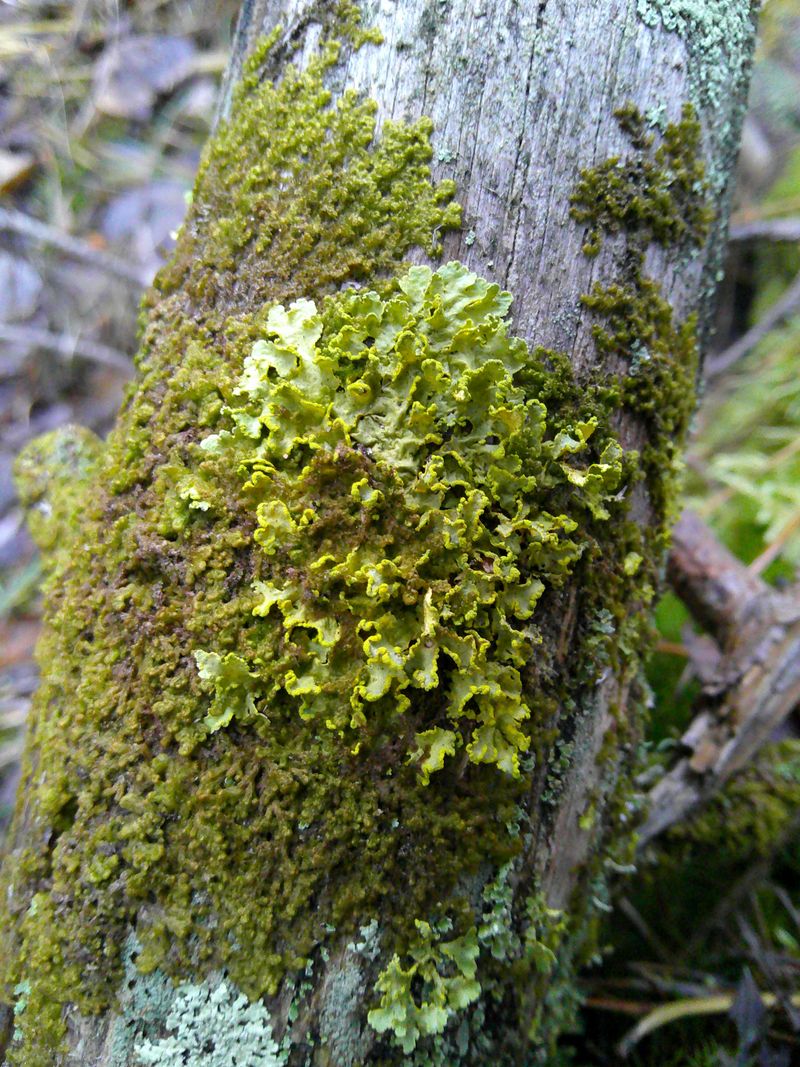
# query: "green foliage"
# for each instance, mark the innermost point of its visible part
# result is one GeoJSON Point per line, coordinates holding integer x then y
{"type": "Point", "coordinates": [407, 492]}
{"type": "Point", "coordinates": [748, 456]}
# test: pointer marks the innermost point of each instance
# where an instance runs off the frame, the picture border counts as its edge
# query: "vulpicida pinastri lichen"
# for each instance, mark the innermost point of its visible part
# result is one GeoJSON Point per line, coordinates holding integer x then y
{"type": "Point", "coordinates": [411, 503]}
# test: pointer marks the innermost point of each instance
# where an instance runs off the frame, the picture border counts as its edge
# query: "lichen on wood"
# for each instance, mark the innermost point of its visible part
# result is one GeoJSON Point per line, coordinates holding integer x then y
{"type": "Point", "coordinates": [302, 668]}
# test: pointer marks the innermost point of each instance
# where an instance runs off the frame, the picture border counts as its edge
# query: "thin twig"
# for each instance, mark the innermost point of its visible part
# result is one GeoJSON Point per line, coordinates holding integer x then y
{"type": "Point", "coordinates": [775, 547]}
{"type": "Point", "coordinates": [18, 222]}
{"type": "Point", "coordinates": [766, 230]}
{"type": "Point", "coordinates": [65, 346]}
{"type": "Point", "coordinates": [786, 306]}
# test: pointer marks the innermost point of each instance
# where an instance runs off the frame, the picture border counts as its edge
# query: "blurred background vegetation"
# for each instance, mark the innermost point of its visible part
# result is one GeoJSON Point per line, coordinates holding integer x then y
{"type": "Point", "coordinates": [104, 107]}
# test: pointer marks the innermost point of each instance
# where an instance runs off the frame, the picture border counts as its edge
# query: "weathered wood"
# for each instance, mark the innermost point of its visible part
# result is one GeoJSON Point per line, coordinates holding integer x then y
{"type": "Point", "coordinates": [522, 97]}
{"type": "Point", "coordinates": [755, 685]}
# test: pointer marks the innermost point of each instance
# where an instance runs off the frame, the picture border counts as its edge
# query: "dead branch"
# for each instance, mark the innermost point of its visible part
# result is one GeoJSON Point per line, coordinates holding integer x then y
{"type": "Point", "coordinates": [775, 316]}
{"type": "Point", "coordinates": [18, 222]}
{"type": "Point", "coordinates": [766, 230]}
{"type": "Point", "coordinates": [66, 347]}
{"type": "Point", "coordinates": [757, 680]}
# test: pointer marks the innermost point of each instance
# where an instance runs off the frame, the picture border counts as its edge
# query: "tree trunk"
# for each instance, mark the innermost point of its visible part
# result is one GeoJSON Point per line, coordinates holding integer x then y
{"type": "Point", "coordinates": [344, 623]}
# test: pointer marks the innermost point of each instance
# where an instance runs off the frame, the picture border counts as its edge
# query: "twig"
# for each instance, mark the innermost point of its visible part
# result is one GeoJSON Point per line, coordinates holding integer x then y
{"type": "Point", "coordinates": [65, 346]}
{"type": "Point", "coordinates": [756, 685]}
{"type": "Point", "coordinates": [766, 230]}
{"type": "Point", "coordinates": [18, 222]}
{"type": "Point", "coordinates": [787, 305]}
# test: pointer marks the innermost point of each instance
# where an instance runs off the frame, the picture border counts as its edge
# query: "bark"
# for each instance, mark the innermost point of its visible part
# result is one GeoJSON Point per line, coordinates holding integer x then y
{"type": "Point", "coordinates": [523, 98]}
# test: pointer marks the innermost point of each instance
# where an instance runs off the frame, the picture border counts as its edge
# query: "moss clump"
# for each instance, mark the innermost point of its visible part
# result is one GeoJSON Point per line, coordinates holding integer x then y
{"type": "Point", "coordinates": [656, 195]}
{"type": "Point", "coordinates": [51, 476]}
{"type": "Point", "coordinates": [699, 865]}
{"type": "Point", "coordinates": [296, 195]}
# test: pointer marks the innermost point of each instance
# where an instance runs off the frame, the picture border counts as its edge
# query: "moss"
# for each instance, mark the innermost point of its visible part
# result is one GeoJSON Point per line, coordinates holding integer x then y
{"type": "Point", "coordinates": [51, 476]}
{"type": "Point", "coordinates": [296, 195]}
{"type": "Point", "coordinates": [658, 195]}
{"type": "Point", "coordinates": [655, 195]}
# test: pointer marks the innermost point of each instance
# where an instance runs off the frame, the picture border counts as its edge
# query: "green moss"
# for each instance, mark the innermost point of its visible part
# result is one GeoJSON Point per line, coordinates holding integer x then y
{"type": "Point", "coordinates": [700, 863]}
{"type": "Point", "coordinates": [655, 195]}
{"type": "Point", "coordinates": [297, 196]}
{"type": "Point", "coordinates": [51, 475]}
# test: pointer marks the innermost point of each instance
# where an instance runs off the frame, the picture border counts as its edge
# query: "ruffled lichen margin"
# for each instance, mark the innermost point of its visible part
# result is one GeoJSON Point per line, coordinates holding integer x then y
{"type": "Point", "coordinates": [304, 706]}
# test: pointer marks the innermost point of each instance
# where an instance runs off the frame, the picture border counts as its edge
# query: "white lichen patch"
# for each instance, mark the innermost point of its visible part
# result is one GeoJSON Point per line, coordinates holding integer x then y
{"type": "Point", "coordinates": [213, 1025]}
{"type": "Point", "coordinates": [717, 34]}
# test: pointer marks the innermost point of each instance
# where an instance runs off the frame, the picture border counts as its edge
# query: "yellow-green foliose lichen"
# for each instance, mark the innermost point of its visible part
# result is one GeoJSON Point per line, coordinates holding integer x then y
{"type": "Point", "coordinates": [411, 504]}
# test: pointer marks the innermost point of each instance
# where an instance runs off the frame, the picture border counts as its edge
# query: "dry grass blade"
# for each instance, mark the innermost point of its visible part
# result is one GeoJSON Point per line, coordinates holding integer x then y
{"type": "Point", "coordinates": [689, 1007]}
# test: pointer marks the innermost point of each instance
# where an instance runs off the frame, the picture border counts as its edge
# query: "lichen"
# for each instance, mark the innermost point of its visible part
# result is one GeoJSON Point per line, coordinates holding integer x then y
{"type": "Point", "coordinates": [717, 34]}
{"type": "Point", "coordinates": [213, 1025]}
{"type": "Point", "coordinates": [443, 971]}
{"type": "Point", "coordinates": [406, 493]}
{"type": "Point", "coordinates": [441, 980]}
